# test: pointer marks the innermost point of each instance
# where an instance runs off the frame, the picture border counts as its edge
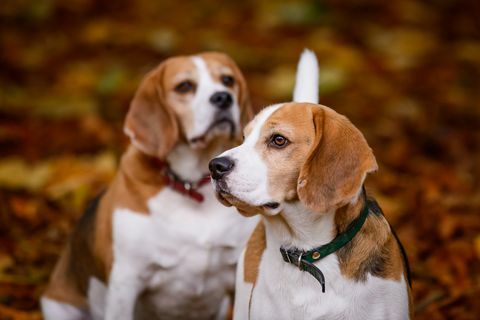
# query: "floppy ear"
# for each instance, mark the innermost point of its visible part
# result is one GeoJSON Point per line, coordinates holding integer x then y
{"type": "Point", "coordinates": [337, 164]}
{"type": "Point", "coordinates": [150, 123]}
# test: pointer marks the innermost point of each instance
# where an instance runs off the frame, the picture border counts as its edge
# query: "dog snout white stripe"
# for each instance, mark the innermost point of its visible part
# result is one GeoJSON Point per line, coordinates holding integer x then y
{"type": "Point", "coordinates": [249, 179]}
{"type": "Point", "coordinates": [201, 107]}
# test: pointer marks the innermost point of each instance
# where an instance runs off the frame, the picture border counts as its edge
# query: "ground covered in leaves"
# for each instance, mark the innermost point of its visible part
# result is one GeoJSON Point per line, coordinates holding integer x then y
{"type": "Point", "coordinates": [405, 72]}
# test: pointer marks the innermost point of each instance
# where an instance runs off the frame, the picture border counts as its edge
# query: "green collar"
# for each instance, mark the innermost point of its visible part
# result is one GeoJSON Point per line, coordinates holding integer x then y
{"type": "Point", "coordinates": [305, 260]}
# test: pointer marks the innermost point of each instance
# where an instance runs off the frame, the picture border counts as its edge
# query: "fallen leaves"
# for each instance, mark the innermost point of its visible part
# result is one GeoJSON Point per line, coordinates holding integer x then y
{"type": "Point", "coordinates": [54, 178]}
{"type": "Point", "coordinates": [406, 73]}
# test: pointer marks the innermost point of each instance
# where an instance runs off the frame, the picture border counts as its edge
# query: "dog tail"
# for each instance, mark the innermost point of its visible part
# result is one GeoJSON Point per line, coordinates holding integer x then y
{"type": "Point", "coordinates": [307, 80]}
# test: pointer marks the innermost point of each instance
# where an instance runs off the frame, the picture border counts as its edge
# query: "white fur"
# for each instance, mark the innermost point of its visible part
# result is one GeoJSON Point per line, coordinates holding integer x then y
{"type": "Point", "coordinates": [243, 290]}
{"type": "Point", "coordinates": [307, 78]}
{"type": "Point", "coordinates": [97, 293]}
{"type": "Point", "coordinates": [249, 179]}
{"type": "Point", "coordinates": [203, 111]}
{"type": "Point", "coordinates": [56, 310]}
{"type": "Point", "coordinates": [179, 261]}
{"type": "Point", "coordinates": [185, 162]}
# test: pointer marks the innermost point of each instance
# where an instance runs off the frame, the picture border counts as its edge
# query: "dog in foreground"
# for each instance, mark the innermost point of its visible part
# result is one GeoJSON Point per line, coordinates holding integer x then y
{"type": "Point", "coordinates": [322, 250]}
{"type": "Point", "coordinates": [157, 244]}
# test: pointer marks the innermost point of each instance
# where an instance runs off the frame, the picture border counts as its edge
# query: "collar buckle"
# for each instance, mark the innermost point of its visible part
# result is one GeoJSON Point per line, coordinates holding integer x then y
{"type": "Point", "coordinates": [285, 255]}
{"type": "Point", "coordinates": [293, 256]}
{"type": "Point", "coordinates": [299, 262]}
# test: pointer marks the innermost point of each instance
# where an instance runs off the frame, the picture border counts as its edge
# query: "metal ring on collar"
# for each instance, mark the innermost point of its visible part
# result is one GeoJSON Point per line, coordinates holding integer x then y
{"type": "Point", "coordinates": [299, 263]}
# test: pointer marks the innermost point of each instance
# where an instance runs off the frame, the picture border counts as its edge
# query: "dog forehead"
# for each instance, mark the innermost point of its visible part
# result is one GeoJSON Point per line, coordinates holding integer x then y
{"type": "Point", "coordinates": [218, 65]}
{"type": "Point", "coordinates": [292, 117]}
{"type": "Point", "coordinates": [179, 67]}
{"type": "Point", "coordinates": [253, 128]}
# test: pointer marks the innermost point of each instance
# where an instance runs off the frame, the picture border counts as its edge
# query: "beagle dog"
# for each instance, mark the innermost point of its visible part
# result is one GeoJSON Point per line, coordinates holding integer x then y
{"type": "Point", "coordinates": [157, 244]}
{"type": "Point", "coordinates": [322, 249]}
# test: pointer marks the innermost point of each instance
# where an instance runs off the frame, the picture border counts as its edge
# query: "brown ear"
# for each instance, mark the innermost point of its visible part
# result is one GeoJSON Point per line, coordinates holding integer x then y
{"type": "Point", "coordinates": [150, 122]}
{"type": "Point", "coordinates": [337, 164]}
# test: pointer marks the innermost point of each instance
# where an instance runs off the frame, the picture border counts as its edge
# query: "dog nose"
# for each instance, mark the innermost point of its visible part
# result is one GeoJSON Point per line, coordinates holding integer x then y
{"type": "Point", "coordinates": [219, 167]}
{"type": "Point", "coordinates": [222, 100]}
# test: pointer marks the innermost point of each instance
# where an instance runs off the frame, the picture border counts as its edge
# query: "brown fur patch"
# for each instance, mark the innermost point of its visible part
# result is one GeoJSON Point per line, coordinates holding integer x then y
{"type": "Point", "coordinates": [373, 250]}
{"type": "Point", "coordinates": [151, 122]}
{"type": "Point", "coordinates": [63, 288]}
{"type": "Point", "coordinates": [337, 164]}
{"type": "Point", "coordinates": [243, 208]}
{"type": "Point", "coordinates": [89, 250]}
{"type": "Point", "coordinates": [253, 253]}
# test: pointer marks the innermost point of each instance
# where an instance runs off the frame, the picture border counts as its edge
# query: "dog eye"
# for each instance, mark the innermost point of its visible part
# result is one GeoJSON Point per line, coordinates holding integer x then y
{"type": "Point", "coordinates": [185, 86]}
{"type": "Point", "coordinates": [228, 81]}
{"type": "Point", "coordinates": [278, 141]}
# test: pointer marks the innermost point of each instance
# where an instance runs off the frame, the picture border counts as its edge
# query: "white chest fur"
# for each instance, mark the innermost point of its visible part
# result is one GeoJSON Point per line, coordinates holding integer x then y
{"type": "Point", "coordinates": [288, 293]}
{"type": "Point", "coordinates": [180, 259]}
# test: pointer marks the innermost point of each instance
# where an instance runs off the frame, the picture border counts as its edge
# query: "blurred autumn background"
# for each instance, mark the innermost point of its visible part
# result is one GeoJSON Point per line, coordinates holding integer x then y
{"type": "Point", "coordinates": [407, 73]}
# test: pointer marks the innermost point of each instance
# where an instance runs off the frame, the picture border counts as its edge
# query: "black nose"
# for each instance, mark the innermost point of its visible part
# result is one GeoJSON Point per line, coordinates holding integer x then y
{"type": "Point", "coordinates": [222, 100]}
{"type": "Point", "coordinates": [219, 167]}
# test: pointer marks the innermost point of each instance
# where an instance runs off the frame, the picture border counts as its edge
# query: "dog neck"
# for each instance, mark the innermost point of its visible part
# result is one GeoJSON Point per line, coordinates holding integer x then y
{"type": "Point", "coordinates": [187, 163]}
{"type": "Point", "coordinates": [297, 226]}
{"type": "Point", "coordinates": [192, 164]}
{"type": "Point", "coordinates": [140, 168]}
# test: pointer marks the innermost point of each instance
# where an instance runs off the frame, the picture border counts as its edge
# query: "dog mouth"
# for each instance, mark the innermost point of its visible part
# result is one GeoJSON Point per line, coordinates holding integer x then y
{"type": "Point", "coordinates": [222, 193]}
{"type": "Point", "coordinates": [271, 205]}
{"type": "Point", "coordinates": [222, 187]}
{"type": "Point", "coordinates": [221, 124]}
{"type": "Point", "coordinates": [225, 197]}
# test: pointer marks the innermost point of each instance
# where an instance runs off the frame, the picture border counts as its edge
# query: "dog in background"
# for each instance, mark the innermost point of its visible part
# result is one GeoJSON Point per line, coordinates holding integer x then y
{"type": "Point", "coordinates": [322, 250]}
{"type": "Point", "coordinates": [157, 244]}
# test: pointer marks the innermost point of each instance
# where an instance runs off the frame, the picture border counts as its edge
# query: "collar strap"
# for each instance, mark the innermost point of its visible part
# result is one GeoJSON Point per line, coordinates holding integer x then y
{"type": "Point", "coordinates": [305, 260]}
{"type": "Point", "coordinates": [184, 187]}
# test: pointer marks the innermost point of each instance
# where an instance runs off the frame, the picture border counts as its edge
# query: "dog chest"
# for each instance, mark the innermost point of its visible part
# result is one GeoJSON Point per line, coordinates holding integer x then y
{"type": "Point", "coordinates": [289, 293]}
{"type": "Point", "coordinates": [185, 252]}
{"type": "Point", "coordinates": [193, 287]}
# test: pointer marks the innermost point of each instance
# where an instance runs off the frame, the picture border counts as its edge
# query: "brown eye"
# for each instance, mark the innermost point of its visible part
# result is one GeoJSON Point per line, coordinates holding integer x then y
{"type": "Point", "coordinates": [185, 86]}
{"type": "Point", "coordinates": [279, 141]}
{"type": "Point", "coordinates": [228, 81]}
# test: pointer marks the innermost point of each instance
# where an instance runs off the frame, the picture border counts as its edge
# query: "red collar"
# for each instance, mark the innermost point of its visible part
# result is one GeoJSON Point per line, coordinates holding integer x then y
{"type": "Point", "coordinates": [187, 188]}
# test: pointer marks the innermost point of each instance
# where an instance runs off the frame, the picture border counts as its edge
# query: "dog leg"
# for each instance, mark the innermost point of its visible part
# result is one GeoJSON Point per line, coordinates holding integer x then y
{"type": "Point", "coordinates": [243, 290]}
{"type": "Point", "coordinates": [97, 295]}
{"type": "Point", "coordinates": [56, 310]}
{"type": "Point", "coordinates": [224, 309]}
{"type": "Point", "coordinates": [124, 287]}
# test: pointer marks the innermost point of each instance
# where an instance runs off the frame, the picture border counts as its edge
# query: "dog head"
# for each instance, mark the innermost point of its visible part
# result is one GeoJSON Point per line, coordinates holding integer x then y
{"type": "Point", "coordinates": [294, 152]}
{"type": "Point", "coordinates": [195, 98]}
